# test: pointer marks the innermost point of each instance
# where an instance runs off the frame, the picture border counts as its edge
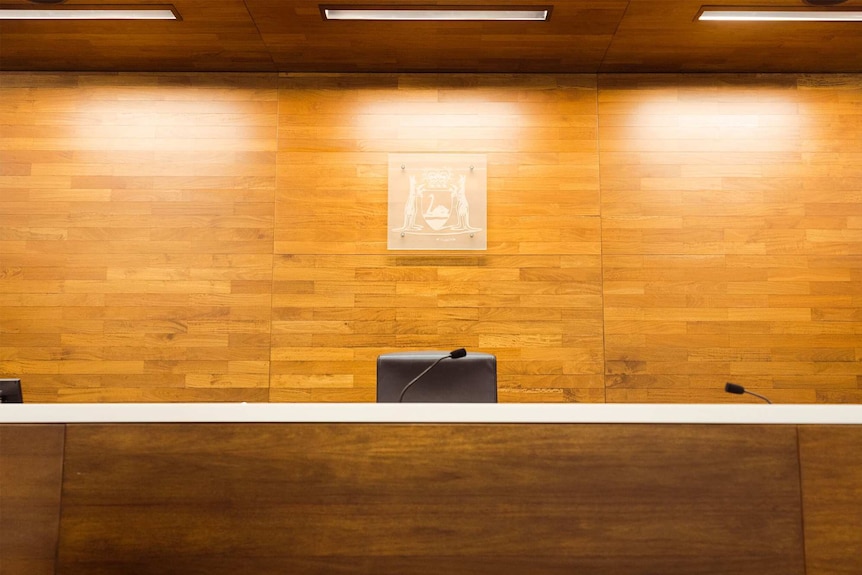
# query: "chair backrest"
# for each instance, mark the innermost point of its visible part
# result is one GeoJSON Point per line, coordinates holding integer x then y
{"type": "Point", "coordinates": [10, 390]}
{"type": "Point", "coordinates": [468, 379]}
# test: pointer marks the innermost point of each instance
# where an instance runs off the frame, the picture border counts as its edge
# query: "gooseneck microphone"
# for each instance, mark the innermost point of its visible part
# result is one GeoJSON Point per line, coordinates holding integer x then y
{"type": "Point", "coordinates": [460, 352]}
{"type": "Point", "coordinates": [739, 390]}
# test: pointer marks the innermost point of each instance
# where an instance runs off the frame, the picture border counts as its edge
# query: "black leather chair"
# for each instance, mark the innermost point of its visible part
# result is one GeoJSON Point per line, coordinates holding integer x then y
{"type": "Point", "coordinates": [468, 379]}
{"type": "Point", "coordinates": [10, 391]}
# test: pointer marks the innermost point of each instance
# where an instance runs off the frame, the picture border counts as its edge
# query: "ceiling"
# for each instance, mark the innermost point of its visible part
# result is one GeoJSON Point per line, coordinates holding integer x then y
{"type": "Point", "coordinates": [582, 36]}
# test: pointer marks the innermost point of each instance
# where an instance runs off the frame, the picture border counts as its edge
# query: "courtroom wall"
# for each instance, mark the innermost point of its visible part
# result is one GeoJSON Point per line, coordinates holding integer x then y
{"type": "Point", "coordinates": [217, 237]}
{"type": "Point", "coordinates": [732, 235]}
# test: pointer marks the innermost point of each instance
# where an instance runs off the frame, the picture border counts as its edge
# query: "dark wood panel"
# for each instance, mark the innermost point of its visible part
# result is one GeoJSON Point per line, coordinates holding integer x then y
{"type": "Point", "coordinates": [665, 37]}
{"type": "Point", "coordinates": [574, 39]}
{"type": "Point", "coordinates": [429, 499]}
{"type": "Point", "coordinates": [31, 471]}
{"type": "Point", "coordinates": [831, 461]}
{"type": "Point", "coordinates": [215, 36]}
{"type": "Point", "coordinates": [291, 36]}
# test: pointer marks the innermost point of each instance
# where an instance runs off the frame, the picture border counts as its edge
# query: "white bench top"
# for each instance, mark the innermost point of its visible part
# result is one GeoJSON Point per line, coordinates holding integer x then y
{"type": "Point", "coordinates": [743, 413]}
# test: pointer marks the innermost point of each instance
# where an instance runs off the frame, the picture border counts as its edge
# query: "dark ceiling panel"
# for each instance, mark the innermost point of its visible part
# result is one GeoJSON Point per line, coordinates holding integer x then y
{"type": "Point", "coordinates": [582, 36]}
{"type": "Point", "coordinates": [663, 36]}
{"type": "Point", "coordinates": [574, 39]}
{"type": "Point", "coordinates": [215, 35]}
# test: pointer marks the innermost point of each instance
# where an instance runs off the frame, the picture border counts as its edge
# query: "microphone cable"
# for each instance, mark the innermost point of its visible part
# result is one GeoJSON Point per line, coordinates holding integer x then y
{"type": "Point", "coordinates": [460, 352]}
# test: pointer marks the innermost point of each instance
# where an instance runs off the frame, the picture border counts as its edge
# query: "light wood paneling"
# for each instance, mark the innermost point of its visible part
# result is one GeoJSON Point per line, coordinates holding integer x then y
{"type": "Point", "coordinates": [533, 298]}
{"type": "Point", "coordinates": [731, 236]}
{"type": "Point", "coordinates": [832, 499]}
{"type": "Point", "coordinates": [430, 499]}
{"type": "Point", "coordinates": [684, 231]}
{"type": "Point", "coordinates": [31, 473]}
{"type": "Point", "coordinates": [136, 235]}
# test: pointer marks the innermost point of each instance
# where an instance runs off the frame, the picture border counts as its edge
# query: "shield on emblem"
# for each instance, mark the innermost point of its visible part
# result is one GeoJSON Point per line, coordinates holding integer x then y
{"type": "Point", "coordinates": [435, 212]}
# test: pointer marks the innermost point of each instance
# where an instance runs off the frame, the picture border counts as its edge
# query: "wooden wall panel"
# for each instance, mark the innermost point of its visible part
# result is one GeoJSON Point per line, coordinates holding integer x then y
{"type": "Point", "coordinates": [650, 238]}
{"type": "Point", "coordinates": [832, 498]}
{"type": "Point", "coordinates": [731, 236]}
{"type": "Point", "coordinates": [31, 474]}
{"type": "Point", "coordinates": [429, 499]}
{"type": "Point", "coordinates": [533, 298]}
{"type": "Point", "coordinates": [136, 235]}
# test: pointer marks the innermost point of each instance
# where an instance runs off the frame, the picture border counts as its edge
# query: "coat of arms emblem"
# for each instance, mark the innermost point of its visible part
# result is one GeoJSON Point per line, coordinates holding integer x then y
{"type": "Point", "coordinates": [435, 199]}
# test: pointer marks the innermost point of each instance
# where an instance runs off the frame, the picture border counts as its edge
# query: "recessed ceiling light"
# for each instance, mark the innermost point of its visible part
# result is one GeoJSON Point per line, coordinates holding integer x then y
{"type": "Point", "coordinates": [448, 13]}
{"type": "Point", "coordinates": [91, 12]}
{"type": "Point", "coordinates": [776, 14]}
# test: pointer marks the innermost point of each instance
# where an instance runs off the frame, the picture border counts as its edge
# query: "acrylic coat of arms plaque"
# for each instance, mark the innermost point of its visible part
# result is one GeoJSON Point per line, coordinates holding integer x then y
{"type": "Point", "coordinates": [437, 202]}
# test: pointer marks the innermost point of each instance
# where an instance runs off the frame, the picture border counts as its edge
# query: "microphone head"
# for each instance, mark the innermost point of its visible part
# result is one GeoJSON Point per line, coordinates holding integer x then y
{"type": "Point", "coordinates": [734, 388]}
{"type": "Point", "coordinates": [460, 352]}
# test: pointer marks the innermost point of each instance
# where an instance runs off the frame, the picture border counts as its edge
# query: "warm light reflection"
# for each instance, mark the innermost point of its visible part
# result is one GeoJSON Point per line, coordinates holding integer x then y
{"type": "Point", "coordinates": [740, 119]}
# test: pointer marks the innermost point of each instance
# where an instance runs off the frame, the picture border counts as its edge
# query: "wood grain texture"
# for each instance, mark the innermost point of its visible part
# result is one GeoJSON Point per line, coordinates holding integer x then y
{"type": "Point", "coordinates": [136, 235]}
{"type": "Point", "coordinates": [581, 36]}
{"type": "Point", "coordinates": [31, 473]}
{"type": "Point", "coordinates": [184, 237]}
{"type": "Point", "coordinates": [533, 298]}
{"type": "Point", "coordinates": [730, 236]}
{"type": "Point", "coordinates": [666, 37]}
{"type": "Point", "coordinates": [573, 40]}
{"type": "Point", "coordinates": [832, 499]}
{"type": "Point", "coordinates": [430, 499]}
{"type": "Point", "coordinates": [218, 36]}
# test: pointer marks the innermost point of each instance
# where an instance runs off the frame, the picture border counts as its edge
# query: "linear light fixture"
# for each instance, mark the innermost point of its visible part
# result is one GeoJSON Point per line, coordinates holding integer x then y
{"type": "Point", "coordinates": [778, 14]}
{"type": "Point", "coordinates": [447, 13]}
{"type": "Point", "coordinates": [91, 12]}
